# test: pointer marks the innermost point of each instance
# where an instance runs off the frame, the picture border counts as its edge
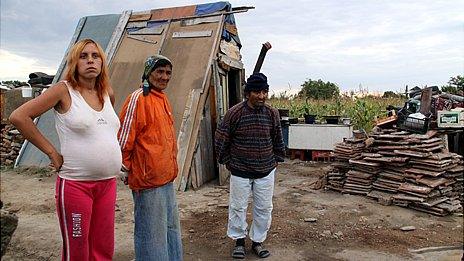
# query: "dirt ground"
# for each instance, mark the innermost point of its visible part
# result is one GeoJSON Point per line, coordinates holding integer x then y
{"type": "Point", "coordinates": [347, 227]}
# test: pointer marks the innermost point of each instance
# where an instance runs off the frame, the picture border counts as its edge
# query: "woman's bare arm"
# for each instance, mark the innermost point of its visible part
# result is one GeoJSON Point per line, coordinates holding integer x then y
{"type": "Point", "coordinates": [22, 119]}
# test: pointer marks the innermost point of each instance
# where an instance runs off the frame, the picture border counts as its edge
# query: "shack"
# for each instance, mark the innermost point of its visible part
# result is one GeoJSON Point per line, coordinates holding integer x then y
{"type": "Point", "coordinates": [202, 42]}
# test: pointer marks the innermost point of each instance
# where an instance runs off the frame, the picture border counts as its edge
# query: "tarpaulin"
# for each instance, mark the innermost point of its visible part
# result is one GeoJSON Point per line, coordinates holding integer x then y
{"type": "Point", "coordinates": [204, 9]}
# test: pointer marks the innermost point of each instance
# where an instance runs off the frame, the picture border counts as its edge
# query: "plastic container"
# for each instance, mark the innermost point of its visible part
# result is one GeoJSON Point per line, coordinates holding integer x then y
{"type": "Point", "coordinates": [346, 121]}
{"type": "Point", "coordinates": [414, 125]}
{"type": "Point", "coordinates": [26, 92]}
{"type": "Point", "coordinates": [331, 119]}
{"type": "Point", "coordinates": [310, 118]}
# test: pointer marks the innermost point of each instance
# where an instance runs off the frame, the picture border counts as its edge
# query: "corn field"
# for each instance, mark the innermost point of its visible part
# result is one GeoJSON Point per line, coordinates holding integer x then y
{"type": "Point", "coordinates": [362, 111]}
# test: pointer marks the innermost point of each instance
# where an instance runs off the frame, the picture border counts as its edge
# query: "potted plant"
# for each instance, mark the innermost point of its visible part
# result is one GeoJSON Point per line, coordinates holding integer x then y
{"type": "Point", "coordinates": [308, 116]}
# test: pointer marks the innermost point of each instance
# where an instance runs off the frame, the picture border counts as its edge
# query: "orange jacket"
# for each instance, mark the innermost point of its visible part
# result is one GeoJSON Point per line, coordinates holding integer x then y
{"type": "Point", "coordinates": [147, 141]}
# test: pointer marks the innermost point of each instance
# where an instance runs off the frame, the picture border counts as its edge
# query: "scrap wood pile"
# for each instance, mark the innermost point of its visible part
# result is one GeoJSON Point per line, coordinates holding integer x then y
{"type": "Point", "coordinates": [400, 168]}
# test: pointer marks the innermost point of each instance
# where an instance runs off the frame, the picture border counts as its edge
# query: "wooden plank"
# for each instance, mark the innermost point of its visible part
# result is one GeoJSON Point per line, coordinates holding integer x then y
{"type": "Point", "coordinates": [193, 175]}
{"type": "Point", "coordinates": [140, 16]}
{"type": "Point", "coordinates": [127, 66]}
{"type": "Point", "coordinates": [116, 38]}
{"type": "Point", "coordinates": [158, 30]}
{"type": "Point", "coordinates": [224, 174]}
{"type": "Point", "coordinates": [192, 34]}
{"type": "Point", "coordinates": [138, 24]}
{"type": "Point", "coordinates": [206, 140]}
{"type": "Point", "coordinates": [202, 101]}
{"type": "Point", "coordinates": [198, 165]}
{"type": "Point", "coordinates": [185, 134]}
{"type": "Point", "coordinates": [173, 12]}
{"type": "Point", "coordinates": [142, 38]}
{"type": "Point", "coordinates": [230, 61]}
{"type": "Point", "coordinates": [200, 20]}
{"type": "Point", "coordinates": [426, 101]}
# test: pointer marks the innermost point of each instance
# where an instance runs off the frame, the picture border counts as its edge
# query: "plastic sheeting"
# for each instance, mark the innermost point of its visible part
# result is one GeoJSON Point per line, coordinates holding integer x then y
{"type": "Point", "coordinates": [205, 9]}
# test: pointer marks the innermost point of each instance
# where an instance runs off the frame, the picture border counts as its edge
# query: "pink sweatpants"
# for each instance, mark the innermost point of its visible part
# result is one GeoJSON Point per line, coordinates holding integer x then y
{"type": "Point", "coordinates": [86, 215]}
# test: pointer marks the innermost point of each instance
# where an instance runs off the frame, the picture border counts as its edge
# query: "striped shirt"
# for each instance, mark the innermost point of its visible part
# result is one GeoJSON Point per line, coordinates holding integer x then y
{"type": "Point", "coordinates": [249, 140]}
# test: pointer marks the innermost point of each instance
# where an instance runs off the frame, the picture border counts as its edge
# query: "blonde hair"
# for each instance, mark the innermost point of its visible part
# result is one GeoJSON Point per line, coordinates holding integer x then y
{"type": "Point", "coordinates": [71, 74]}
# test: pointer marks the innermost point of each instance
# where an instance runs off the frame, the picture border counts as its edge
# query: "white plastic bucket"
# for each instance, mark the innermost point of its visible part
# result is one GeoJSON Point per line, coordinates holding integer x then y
{"type": "Point", "coordinates": [26, 92]}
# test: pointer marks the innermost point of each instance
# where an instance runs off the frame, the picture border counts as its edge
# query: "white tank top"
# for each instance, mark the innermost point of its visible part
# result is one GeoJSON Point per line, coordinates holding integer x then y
{"type": "Point", "coordinates": [88, 139]}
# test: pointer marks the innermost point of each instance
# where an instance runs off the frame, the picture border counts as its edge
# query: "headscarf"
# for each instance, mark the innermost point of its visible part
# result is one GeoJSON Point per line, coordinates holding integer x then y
{"type": "Point", "coordinates": [151, 64]}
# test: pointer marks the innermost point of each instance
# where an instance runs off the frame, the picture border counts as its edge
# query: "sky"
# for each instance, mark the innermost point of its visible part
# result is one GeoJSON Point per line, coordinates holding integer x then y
{"type": "Point", "coordinates": [373, 44]}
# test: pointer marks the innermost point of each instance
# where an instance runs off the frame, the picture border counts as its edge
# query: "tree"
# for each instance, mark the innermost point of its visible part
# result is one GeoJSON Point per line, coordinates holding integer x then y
{"type": "Point", "coordinates": [455, 85]}
{"type": "Point", "coordinates": [14, 83]}
{"type": "Point", "coordinates": [390, 94]}
{"type": "Point", "coordinates": [319, 90]}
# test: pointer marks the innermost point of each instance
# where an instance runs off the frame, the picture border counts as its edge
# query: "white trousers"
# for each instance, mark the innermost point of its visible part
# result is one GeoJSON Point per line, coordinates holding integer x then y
{"type": "Point", "coordinates": [262, 191]}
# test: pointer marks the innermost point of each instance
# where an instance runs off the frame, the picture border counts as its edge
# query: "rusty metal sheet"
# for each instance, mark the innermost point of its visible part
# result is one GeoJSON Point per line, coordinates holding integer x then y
{"type": "Point", "coordinates": [173, 13]}
{"type": "Point", "coordinates": [365, 163]}
{"type": "Point", "coordinates": [408, 198]}
{"type": "Point", "coordinates": [431, 149]}
{"type": "Point", "coordinates": [434, 162]}
{"type": "Point", "coordinates": [415, 188]}
{"type": "Point", "coordinates": [412, 153]}
{"type": "Point", "coordinates": [425, 136]}
{"type": "Point", "coordinates": [391, 142]}
{"type": "Point", "coordinates": [428, 145]}
{"type": "Point", "coordinates": [441, 156]}
{"type": "Point", "coordinates": [432, 182]}
{"type": "Point", "coordinates": [424, 172]}
{"type": "Point", "coordinates": [431, 140]}
{"type": "Point", "coordinates": [387, 159]}
{"type": "Point", "coordinates": [393, 147]}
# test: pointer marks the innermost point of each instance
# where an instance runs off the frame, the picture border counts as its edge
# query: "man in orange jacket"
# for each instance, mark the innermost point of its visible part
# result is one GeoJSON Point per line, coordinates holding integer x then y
{"type": "Point", "coordinates": [149, 151]}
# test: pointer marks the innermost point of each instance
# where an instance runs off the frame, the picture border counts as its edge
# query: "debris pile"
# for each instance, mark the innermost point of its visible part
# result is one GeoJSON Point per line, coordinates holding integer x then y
{"type": "Point", "coordinates": [404, 169]}
{"type": "Point", "coordinates": [11, 144]}
{"type": "Point", "coordinates": [344, 151]}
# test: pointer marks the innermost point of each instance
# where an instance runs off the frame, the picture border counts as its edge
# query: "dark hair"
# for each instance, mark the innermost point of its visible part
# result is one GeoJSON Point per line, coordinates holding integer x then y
{"type": "Point", "coordinates": [162, 63]}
